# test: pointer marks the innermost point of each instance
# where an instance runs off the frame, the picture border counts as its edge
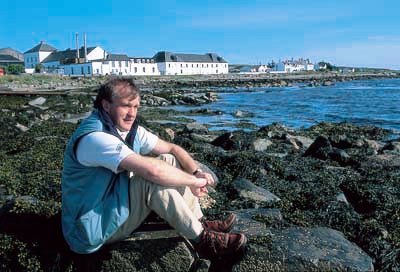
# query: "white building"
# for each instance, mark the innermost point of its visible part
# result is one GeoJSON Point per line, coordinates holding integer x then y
{"type": "Point", "coordinates": [95, 61]}
{"type": "Point", "coordinates": [66, 62]}
{"type": "Point", "coordinates": [190, 64]}
{"type": "Point", "coordinates": [36, 55]}
{"type": "Point", "coordinates": [290, 66]}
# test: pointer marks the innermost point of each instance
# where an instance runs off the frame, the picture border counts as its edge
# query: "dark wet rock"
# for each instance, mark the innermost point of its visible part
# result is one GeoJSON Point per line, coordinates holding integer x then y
{"type": "Point", "coordinates": [392, 147]}
{"type": "Point", "coordinates": [152, 100]}
{"type": "Point", "coordinates": [320, 148]}
{"type": "Point", "coordinates": [256, 222]}
{"type": "Point", "coordinates": [275, 131]}
{"type": "Point", "coordinates": [305, 249]}
{"type": "Point", "coordinates": [247, 190]}
{"type": "Point", "coordinates": [225, 141]}
{"type": "Point", "coordinates": [340, 156]}
{"type": "Point", "coordinates": [341, 142]}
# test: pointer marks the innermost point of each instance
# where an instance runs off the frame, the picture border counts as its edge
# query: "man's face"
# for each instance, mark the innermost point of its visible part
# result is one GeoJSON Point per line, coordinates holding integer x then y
{"type": "Point", "coordinates": [122, 111]}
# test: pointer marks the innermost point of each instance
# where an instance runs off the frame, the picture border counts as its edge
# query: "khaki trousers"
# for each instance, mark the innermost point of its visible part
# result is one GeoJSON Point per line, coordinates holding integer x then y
{"type": "Point", "coordinates": [176, 205]}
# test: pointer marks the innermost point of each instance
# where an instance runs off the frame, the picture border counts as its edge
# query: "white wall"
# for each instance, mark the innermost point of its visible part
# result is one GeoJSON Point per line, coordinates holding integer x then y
{"type": "Point", "coordinates": [96, 54]}
{"type": "Point", "coordinates": [144, 69]}
{"type": "Point", "coordinates": [192, 68]}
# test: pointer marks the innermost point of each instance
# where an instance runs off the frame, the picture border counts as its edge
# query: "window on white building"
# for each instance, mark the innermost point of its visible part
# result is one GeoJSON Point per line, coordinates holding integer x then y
{"type": "Point", "coordinates": [113, 64]}
{"type": "Point", "coordinates": [126, 63]}
{"type": "Point", "coordinates": [187, 65]}
{"type": "Point", "coordinates": [144, 69]}
{"type": "Point", "coordinates": [154, 70]}
{"type": "Point", "coordinates": [135, 69]}
{"type": "Point", "coordinates": [120, 63]}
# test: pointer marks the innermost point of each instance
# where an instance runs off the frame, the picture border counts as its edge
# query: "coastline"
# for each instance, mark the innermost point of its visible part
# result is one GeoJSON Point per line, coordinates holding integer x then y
{"type": "Point", "coordinates": [161, 83]}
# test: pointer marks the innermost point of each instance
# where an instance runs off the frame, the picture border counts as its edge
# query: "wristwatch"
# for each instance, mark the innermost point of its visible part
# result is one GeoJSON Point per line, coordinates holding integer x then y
{"type": "Point", "coordinates": [198, 170]}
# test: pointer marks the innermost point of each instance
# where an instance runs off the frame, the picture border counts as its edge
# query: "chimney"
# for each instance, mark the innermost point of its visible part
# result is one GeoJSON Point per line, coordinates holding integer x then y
{"type": "Point", "coordinates": [84, 46]}
{"type": "Point", "coordinates": [77, 45]}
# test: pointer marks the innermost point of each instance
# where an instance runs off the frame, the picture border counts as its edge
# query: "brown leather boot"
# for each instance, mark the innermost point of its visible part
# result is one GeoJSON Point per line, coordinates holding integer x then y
{"type": "Point", "coordinates": [214, 245]}
{"type": "Point", "coordinates": [220, 226]}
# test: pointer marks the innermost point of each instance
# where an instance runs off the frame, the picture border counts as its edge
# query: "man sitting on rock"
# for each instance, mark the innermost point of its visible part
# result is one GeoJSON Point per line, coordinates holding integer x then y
{"type": "Point", "coordinates": [109, 186]}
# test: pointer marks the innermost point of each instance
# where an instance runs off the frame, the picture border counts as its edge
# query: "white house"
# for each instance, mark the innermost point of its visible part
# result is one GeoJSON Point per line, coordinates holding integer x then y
{"type": "Point", "coordinates": [36, 55]}
{"type": "Point", "coordinates": [68, 62]}
{"type": "Point", "coordinates": [190, 64]}
{"type": "Point", "coordinates": [144, 66]}
{"type": "Point", "coordinates": [260, 69]}
{"type": "Point", "coordinates": [289, 66]}
{"type": "Point", "coordinates": [95, 61]}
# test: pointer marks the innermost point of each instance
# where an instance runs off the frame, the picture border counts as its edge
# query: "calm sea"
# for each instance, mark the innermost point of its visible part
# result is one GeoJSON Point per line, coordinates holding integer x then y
{"type": "Point", "coordinates": [364, 102]}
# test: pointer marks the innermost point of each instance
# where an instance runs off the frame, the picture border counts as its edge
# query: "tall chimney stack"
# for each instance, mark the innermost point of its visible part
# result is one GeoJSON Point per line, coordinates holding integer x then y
{"type": "Point", "coordinates": [84, 45]}
{"type": "Point", "coordinates": [77, 45]}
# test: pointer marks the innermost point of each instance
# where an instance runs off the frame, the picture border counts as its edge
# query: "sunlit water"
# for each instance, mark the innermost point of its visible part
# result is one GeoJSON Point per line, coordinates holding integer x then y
{"type": "Point", "coordinates": [363, 102]}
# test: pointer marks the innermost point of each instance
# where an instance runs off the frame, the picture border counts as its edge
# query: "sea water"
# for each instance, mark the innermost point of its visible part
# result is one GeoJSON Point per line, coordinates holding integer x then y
{"type": "Point", "coordinates": [362, 102]}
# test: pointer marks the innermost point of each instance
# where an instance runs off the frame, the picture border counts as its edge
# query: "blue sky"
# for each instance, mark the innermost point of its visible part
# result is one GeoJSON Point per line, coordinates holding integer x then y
{"type": "Point", "coordinates": [343, 32]}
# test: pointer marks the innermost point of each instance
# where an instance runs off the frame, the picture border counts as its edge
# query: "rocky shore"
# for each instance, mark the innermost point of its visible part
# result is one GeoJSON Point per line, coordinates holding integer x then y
{"type": "Point", "coordinates": [324, 198]}
{"type": "Point", "coordinates": [161, 84]}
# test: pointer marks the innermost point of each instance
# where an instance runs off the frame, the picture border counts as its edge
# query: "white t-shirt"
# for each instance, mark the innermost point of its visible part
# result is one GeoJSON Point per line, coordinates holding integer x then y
{"type": "Point", "coordinates": [100, 149]}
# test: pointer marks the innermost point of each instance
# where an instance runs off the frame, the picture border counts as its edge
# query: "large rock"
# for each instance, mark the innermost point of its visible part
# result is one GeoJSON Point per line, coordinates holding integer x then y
{"type": "Point", "coordinates": [261, 144]}
{"type": "Point", "coordinates": [248, 190]}
{"type": "Point", "coordinates": [304, 249]}
{"type": "Point", "coordinates": [195, 128]}
{"type": "Point", "coordinates": [252, 222]}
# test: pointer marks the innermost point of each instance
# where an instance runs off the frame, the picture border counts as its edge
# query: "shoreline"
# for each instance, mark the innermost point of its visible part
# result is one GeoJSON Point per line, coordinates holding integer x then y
{"type": "Point", "coordinates": [161, 83]}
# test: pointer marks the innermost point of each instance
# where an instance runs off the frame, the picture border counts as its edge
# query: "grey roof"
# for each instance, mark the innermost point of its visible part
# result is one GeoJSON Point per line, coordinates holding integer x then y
{"type": "Point", "coordinates": [10, 59]}
{"type": "Point", "coordinates": [164, 56]}
{"type": "Point", "coordinates": [41, 47]}
{"type": "Point", "coordinates": [67, 54]}
{"type": "Point", "coordinates": [12, 52]}
{"type": "Point", "coordinates": [117, 57]}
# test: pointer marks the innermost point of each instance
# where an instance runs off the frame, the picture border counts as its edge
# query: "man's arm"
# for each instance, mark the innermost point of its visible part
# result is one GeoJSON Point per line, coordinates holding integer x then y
{"type": "Point", "coordinates": [160, 172]}
{"type": "Point", "coordinates": [186, 161]}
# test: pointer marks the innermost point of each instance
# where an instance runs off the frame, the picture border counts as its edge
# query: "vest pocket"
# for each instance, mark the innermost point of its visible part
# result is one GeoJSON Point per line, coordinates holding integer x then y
{"type": "Point", "coordinates": [90, 227]}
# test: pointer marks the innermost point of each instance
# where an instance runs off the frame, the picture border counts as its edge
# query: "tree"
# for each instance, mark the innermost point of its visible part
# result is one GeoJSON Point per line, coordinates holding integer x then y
{"type": "Point", "coordinates": [15, 69]}
{"type": "Point", "coordinates": [38, 68]}
{"type": "Point", "coordinates": [271, 65]}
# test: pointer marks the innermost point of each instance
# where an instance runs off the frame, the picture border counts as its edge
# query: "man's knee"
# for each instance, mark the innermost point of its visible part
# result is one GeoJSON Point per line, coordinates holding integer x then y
{"type": "Point", "coordinates": [170, 159]}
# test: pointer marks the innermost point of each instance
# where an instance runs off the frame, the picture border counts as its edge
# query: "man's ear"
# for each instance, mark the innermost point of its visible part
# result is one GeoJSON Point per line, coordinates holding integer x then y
{"type": "Point", "coordinates": [106, 105]}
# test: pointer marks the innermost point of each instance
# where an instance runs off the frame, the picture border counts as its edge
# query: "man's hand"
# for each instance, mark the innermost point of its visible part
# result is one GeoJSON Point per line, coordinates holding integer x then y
{"type": "Point", "coordinates": [206, 176]}
{"type": "Point", "coordinates": [199, 189]}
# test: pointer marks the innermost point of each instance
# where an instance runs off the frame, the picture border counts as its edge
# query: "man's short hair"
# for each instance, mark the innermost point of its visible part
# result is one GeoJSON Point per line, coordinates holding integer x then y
{"type": "Point", "coordinates": [108, 90]}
